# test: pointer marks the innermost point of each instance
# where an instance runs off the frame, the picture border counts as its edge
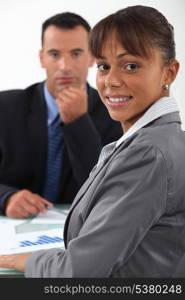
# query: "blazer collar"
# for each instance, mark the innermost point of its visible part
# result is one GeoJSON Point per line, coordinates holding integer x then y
{"type": "Point", "coordinates": [173, 117]}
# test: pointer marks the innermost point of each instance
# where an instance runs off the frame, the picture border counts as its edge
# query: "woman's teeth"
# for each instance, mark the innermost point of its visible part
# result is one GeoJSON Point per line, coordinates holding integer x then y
{"type": "Point", "coordinates": [120, 99]}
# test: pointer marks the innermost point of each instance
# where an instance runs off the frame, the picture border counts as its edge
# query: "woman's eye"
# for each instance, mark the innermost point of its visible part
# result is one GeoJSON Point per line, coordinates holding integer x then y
{"type": "Point", "coordinates": [103, 67]}
{"type": "Point", "coordinates": [131, 67]}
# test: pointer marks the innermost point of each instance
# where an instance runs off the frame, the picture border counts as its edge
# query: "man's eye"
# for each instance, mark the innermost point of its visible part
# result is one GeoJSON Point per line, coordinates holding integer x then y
{"type": "Point", "coordinates": [131, 67]}
{"type": "Point", "coordinates": [54, 54]}
{"type": "Point", "coordinates": [103, 67]}
{"type": "Point", "coordinates": [76, 54]}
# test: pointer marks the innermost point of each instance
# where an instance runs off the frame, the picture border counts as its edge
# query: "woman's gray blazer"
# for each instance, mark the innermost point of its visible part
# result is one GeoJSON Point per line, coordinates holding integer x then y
{"type": "Point", "coordinates": [128, 219]}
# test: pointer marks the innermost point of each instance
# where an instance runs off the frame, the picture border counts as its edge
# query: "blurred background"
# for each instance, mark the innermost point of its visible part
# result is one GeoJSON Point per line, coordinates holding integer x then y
{"type": "Point", "coordinates": [20, 31]}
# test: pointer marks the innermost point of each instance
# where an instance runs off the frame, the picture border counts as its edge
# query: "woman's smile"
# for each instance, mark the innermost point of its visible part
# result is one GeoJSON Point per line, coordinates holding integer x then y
{"type": "Point", "coordinates": [117, 101]}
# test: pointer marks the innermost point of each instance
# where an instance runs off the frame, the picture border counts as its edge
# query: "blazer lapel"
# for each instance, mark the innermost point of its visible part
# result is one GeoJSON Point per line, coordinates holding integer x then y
{"type": "Point", "coordinates": [37, 130]}
{"type": "Point", "coordinates": [85, 187]}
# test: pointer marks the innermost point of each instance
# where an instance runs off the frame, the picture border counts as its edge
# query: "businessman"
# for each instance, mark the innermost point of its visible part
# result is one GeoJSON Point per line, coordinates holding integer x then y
{"type": "Point", "coordinates": [51, 133]}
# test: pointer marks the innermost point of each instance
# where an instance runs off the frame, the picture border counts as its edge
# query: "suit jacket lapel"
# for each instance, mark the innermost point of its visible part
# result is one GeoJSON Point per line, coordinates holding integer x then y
{"type": "Point", "coordinates": [37, 130]}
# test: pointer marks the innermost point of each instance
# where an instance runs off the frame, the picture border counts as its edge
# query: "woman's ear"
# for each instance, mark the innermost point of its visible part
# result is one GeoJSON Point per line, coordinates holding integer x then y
{"type": "Point", "coordinates": [171, 71]}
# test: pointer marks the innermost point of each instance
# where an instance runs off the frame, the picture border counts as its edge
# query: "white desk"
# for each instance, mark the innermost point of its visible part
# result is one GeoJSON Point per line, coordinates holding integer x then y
{"type": "Point", "coordinates": [27, 228]}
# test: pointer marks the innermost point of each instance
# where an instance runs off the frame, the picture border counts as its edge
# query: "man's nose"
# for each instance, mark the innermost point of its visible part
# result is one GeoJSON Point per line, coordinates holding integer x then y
{"type": "Point", "coordinates": [65, 64]}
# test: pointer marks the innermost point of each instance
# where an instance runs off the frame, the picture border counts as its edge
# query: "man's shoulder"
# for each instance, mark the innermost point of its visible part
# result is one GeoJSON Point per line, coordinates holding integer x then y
{"type": "Point", "coordinates": [13, 94]}
{"type": "Point", "coordinates": [94, 102]}
{"type": "Point", "coordinates": [92, 93]}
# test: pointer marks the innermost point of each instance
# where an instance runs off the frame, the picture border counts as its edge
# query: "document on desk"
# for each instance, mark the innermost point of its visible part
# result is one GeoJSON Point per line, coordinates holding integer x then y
{"type": "Point", "coordinates": [7, 237]}
{"type": "Point", "coordinates": [50, 217]}
{"type": "Point", "coordinates": [37, 240]}
{"type": "Point", "coordinates": [11, 221]}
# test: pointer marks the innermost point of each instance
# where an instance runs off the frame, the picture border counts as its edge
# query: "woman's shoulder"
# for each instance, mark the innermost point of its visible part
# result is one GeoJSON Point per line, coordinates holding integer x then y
{"type": "Point", "coordinates": [168, 139]}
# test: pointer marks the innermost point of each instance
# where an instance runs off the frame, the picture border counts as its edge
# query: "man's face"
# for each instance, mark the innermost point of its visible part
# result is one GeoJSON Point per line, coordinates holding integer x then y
{"type": "Point", "coordinates": [65, 57]}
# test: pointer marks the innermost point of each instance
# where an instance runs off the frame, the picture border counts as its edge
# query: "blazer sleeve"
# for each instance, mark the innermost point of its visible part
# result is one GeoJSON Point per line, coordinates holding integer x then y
{"type": "Point", "coordinates": [3, 198]}
{"type": "Point", "coordinates": [122, 206]}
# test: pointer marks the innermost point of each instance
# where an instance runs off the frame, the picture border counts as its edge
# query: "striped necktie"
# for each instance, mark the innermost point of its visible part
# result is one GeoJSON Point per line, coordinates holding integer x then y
{"type": "Point", "coordinates": [54, 160]}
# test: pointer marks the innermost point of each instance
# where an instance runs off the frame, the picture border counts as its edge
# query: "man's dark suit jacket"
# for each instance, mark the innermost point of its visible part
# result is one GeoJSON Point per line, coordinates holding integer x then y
{"type": "Point", "coordinates": [23, 142]}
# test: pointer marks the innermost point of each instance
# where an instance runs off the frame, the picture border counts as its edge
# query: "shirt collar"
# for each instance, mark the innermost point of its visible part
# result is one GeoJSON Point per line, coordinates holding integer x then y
{"type": "Point", "coordinates": [161, 107]}
{"type": "Point", "coordinates": [52, 107]}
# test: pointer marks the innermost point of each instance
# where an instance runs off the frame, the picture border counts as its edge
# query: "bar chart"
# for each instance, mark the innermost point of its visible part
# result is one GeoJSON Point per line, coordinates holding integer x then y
{"type": "Point", "coordinates": [41, 240]}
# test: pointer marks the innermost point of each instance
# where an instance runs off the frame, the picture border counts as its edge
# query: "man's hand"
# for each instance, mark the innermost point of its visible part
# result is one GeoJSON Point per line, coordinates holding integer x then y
{"type": "Point", "coordinates": [24, 203]}
{"type": "Point", "coordinates": [72, 103]}
{"type": "Point", "coordinates": [14, 261]}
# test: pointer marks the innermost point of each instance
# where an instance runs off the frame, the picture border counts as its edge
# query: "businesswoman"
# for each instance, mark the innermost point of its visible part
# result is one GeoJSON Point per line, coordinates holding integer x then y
{"type": "Point", "coordinates": [128, 219]}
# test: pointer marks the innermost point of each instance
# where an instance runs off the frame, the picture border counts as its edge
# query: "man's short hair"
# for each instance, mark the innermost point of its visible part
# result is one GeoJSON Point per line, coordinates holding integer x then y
{"type": "Point", "coordinates": [66, 20]}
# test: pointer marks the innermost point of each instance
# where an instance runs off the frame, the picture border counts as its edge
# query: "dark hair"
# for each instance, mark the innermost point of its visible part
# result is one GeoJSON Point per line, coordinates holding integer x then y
{"type": "Point", "coordinates": [66, 20]}
{"type": "Point", "coordinates": [139, 29]}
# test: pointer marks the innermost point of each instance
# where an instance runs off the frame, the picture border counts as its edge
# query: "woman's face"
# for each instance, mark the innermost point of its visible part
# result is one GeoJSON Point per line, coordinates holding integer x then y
{"type": "Point", "coordinates": [128, 85]}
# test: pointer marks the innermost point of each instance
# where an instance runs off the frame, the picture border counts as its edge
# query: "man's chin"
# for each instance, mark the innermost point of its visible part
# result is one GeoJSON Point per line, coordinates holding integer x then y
{"type": "Point", "coordinates": [65, 85]}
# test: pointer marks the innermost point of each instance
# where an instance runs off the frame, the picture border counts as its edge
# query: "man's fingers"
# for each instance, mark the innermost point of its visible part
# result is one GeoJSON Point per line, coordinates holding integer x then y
{"type": "Point", "coordinates": [23, 209]}
{"type": "Point", "coordinates": [16, 209]}
{"type": "Point", "coordinates": [71, 92]}
{"type": "Point", "coordinates": [40, 204]}
{"type": "Point", "coordinates": [66, 95]}
{"type": "Point", "coordinates": [24, 203]}
{"type": "Point", "coordinates": [47, 203]}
